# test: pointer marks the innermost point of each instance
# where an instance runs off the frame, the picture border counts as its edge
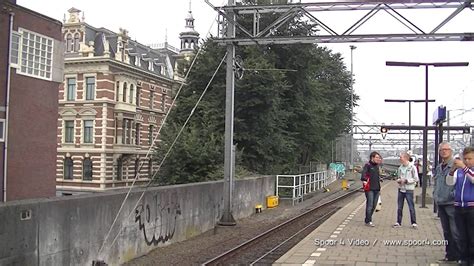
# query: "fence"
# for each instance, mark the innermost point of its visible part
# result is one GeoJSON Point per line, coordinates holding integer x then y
{"type": "Point", "coordinates": [295, 187]}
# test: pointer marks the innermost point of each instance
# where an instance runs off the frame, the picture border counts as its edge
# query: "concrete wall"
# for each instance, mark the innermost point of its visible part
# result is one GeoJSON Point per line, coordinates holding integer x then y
{"type": "Point", "coordinates": [72, 230]}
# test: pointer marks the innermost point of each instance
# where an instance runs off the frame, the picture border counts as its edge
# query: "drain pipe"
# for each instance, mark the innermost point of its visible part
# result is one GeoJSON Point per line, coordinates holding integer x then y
{"type": "Point", "coordinates": [7, 104]}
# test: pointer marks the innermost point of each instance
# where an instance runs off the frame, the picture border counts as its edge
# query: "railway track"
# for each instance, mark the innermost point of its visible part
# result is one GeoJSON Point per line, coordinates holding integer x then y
{"type": "Point", "coordinates": [273, 243]}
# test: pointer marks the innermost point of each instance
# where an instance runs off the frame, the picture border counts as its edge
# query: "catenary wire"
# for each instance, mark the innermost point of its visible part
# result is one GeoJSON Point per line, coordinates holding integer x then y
{"type": "Point", "coordinates": [148, 153]}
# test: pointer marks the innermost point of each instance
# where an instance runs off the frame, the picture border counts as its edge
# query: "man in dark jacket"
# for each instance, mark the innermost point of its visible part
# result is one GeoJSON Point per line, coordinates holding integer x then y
{"type": "Point", "coordinates": [371, 176]}
{"type": "Point", "coordinates": [443, 195]}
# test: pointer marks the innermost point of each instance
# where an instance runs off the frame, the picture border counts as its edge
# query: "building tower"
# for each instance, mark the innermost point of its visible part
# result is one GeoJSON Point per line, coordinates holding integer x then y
{"type": "Point", "coordinates": [189, 37]}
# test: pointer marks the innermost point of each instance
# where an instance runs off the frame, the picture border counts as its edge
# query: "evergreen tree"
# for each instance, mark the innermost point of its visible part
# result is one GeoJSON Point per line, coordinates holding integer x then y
{"type": "Point", "coordinates": [292, 101]}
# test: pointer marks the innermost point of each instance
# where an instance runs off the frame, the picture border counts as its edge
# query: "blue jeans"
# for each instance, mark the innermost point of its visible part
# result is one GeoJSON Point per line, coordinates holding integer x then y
{"type": "Point", "coordinates": [450, 231]}
{"type": "Point", "coordinates": [408, 195]}
{"type": "Point", "coordinates": [464, 218]}
{"type": "Point", "coordinates": [372, 197]}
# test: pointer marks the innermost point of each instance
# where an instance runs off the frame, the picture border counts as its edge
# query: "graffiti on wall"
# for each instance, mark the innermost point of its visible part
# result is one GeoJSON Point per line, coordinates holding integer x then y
{"type": "Point", "coordinates": [157, 219]}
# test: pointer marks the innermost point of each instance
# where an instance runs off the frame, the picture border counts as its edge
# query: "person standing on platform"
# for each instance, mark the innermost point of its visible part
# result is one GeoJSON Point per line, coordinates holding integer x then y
{"type": "Point", "coordinates": [370, 178]}
{"type": "Point", "coordinates": [419, 169]}
{"type": "Point", "coordinates": [429, 174]}
{"type": "Point", "coordinates": [463, 180]}
{"type": "Point", "coordinates": [407, 178]}
{"type": "Point", "coordinates": [443, 195]}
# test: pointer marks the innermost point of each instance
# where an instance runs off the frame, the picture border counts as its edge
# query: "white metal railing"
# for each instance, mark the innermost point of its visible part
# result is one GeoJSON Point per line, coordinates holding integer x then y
{"type": "Point", "coordinates": [294, 187]}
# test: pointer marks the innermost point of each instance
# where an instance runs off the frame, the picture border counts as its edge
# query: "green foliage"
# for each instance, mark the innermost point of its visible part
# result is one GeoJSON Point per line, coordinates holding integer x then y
{"type": "Point", "coordinates": [292, 101]}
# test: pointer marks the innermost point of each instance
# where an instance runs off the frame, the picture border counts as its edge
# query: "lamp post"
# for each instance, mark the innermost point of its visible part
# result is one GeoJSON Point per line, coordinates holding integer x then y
{"type": "Point", "coordinates": [353, 47]}
{"type": "Point", "coordinates": [409, 113]}
{"type": "Point", "coordinates": [425, 129]}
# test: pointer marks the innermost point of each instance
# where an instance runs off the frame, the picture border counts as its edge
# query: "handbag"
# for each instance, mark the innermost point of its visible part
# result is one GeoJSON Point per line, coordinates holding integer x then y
{"type": "Point", "coordinates": [366, 186]}
{"type": "Point", "coordinates": [379, 204]}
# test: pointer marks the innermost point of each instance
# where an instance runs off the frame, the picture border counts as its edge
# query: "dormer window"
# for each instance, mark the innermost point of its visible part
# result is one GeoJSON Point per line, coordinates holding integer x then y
{"type": "Point", "coordinates": [151, 66]}
{"type": "Point", "coordinates": [137, 61]}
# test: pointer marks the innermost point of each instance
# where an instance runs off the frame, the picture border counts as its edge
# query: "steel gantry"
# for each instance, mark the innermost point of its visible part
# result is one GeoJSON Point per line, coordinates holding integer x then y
{"type": "Point", "coordinates": [327, 32]}
{"type": "Point", "coordinates": [231, 33]}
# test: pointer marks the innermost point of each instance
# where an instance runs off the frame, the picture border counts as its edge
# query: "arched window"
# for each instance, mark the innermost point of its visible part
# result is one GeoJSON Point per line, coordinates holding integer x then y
{"type": "Point", "coordinates": [132, 94]}
{"type": "Point", "coordinates": [69, 43]}
{"type": "Point", "coordinates": [117, 97]}
{"type": "Point", "coordinates": [76, 42]}
{"type": "Point", "coordinates": [68, 168]}
{"type": "Point", "coordinates": [124, 99]}
{"type": "Point", "coordinates": [87, 169]}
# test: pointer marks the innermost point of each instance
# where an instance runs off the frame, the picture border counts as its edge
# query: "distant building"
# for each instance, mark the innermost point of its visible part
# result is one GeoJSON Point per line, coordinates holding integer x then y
{"type": "Point", "coordinates": [32, 53]}
{"type": "Point", "coordinates": [114, 96]}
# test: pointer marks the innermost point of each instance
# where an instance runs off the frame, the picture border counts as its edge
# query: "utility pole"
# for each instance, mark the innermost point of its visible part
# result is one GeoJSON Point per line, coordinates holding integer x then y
{"type": "Point", "coordinates": [227, 217]}
{"type": "Point", "coordinates": [352, 110]}
{"type": "Point", "coordinates": [425, 128]}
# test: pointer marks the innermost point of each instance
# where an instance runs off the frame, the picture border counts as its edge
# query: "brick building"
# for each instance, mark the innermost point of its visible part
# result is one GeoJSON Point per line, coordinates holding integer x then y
{"type": "Point", "coordinates": [31, 52]}
{"type": "Point", "coordinates": [114, 95]}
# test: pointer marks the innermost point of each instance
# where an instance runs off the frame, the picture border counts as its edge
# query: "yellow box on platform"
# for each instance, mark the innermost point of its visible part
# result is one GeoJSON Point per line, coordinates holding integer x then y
{"type": "Point", "coordinates": [272, 201]}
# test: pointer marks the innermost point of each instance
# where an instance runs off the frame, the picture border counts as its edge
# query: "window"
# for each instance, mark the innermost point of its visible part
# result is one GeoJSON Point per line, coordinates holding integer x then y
{"type": "Point", "coordinates": [87, 169]}
{"type": "Point", "coordinates": [150, 168]}
{"type": "Point", "coordinates": [119, 168]}
{"type": "Point", "coordinates": [163, 102]}
{"type": "Point", "coordinates": [68, 168]}
{"type": "Point", "coordinates": [124, 131]}
{"type": "Point", "coordinates": [137, 100]}
{"type": "Point", "coordinates": [124, 99]}
{"type": "Point", "coordinates": [88, 131]}
{"type": "Point", "coordinates": [150, 135]}
{"type": "Point", "coordinates": [76, 42]}
{"type": "Point", "coordinates": [15, 45]}
{"type": "Point", "coordinates": [137, 134]}
{"type": "Point", "coordinates": [2, 130]}
{"type": "Point", "coordinates": [71, 89]}
{"type": "Point", "coordinates": [90, 88]}
{"type": "Point", "coordinates": [152, 99]}
{"type": "Point", "coordinates": [137, 166]}
{"type": "Point", "coordinates": [132, 94]}
{"type": "Point", "coordinates": [117, 92]}
{"type": "Point", "coordinates": [69, 131]}
{"type": "Point", "coordinates": [69, 43]}
{"type": "Point", "coordinates": [137, 61]}
{"type": "Point", "coordinates": [36, 55]}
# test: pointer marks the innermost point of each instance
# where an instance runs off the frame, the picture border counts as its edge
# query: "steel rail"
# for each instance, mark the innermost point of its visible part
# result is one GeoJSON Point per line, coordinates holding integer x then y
{"type": "Point", "coordinates": [274, 229]}
{"type": "Point", "coordinates": [294, 235]}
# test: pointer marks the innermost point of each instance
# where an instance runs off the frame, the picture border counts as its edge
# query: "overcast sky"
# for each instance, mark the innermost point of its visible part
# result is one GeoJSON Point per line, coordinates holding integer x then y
{"type": "Point", "coordinates": [148, 22]}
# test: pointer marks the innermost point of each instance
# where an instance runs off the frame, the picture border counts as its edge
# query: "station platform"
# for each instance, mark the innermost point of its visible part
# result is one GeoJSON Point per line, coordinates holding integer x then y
{"type": "Point", "coordinates": [344, 239]}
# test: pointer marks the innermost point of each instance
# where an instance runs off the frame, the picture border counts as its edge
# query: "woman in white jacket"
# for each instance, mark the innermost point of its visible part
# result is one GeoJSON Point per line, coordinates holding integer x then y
{"type": "Point", "coordinates": [407, 179]}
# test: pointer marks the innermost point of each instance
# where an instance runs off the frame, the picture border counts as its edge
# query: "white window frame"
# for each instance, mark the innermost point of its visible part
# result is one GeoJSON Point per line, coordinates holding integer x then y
{"type": "Point", "coordinates": [2, 130]}
{"type": "Point", "coordinates": [83, 131]}
{"type": "Point", "coordinates": [66, 88]}
{"type": "Point", "coordinates": [85, 87]}
{"type": "Point", "coordinates": [73, 131]}
{"type": "Point", "coordinates": [35, 55]}
{"type": "Point", "coordinates": [15, 52]}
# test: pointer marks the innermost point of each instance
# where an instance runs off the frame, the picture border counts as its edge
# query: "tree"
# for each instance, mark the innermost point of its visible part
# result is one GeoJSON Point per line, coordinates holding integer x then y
{"type": "Point", "coordinates": [292, 101]}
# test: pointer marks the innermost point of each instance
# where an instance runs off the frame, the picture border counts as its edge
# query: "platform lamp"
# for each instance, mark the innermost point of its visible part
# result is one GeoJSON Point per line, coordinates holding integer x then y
{"type": "Point", "coordinates": [425, 129]}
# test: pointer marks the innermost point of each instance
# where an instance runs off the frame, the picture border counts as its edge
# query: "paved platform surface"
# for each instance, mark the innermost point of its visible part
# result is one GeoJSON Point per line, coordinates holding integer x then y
{"type": "Point", "coordinates": [344, 239]}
